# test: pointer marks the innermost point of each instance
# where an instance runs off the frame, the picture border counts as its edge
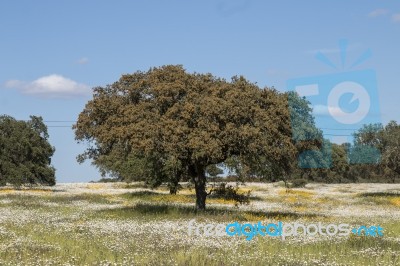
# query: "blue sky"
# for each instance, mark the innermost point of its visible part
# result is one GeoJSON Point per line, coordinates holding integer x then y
{"type": "Point", "coordinates": [53, 52]}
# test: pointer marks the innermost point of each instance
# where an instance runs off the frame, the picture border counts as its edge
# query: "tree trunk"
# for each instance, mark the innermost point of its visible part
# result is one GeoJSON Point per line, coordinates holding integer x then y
{"type": "Point", "coordinates": [199, 179]}
{"type": "Point", "coordinates": [174, 186]}
{"type": "Point", "coordinates": [173, 190]}
{"type": "Point", "coordinates": [174, 182]}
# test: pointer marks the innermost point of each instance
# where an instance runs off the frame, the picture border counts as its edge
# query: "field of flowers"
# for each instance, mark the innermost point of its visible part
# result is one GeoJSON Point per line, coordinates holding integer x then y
{"type": "Point", "coordinates": [128, 224]}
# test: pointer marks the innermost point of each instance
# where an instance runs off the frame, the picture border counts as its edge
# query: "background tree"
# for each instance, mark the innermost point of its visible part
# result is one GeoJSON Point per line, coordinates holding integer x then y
{"type": "Point", "coordinates": [214, 170]}
{"type": "Point", "coordinates": [340, 164]}
{"type": "Point", "coordinates": [375, 153]}
{"type": "Point", "coordinates": [368, 145]}
{"type": "Point", "coordinates": [308, 139]}
{"type": "Point", "coordinates": [25, 153]}
{"type": "Point", "coordinates": [190, 120]}
{"type": "Point", "coordinates": [391, 149]}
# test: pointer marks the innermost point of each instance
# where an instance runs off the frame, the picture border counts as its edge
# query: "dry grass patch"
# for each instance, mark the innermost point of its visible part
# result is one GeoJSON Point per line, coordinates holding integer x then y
{"type": "Point", "coordinates": [295, 192]}
{"type": "Point", "coordinates": [96, 186]}
{"type": "Point", "coordinates": [395, 201]}
{"type": "Point", "coordinates": [7, 190]}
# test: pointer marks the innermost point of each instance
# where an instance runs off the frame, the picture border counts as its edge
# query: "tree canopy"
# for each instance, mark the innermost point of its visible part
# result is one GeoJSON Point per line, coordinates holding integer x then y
{"type": "Point", "coordinates": [25, 153]}
{"type": "Point", "coordinates": [390, 147]}
{"type": "Point", "coordinates": [184, 122]}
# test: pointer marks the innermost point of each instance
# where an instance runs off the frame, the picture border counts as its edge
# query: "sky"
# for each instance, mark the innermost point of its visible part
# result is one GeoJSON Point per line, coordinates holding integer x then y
{"type": "Point", "coordinates": [52, 53]}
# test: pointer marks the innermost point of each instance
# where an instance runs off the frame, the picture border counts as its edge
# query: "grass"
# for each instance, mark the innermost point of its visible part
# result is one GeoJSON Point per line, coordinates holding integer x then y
{"type": "Point", "coordinates": [161, 197]}
{"type": "Point", "coordinates": [161, 211]}
{"type": "Point", "coordinates": [131, 185]}
{"type": "Point", "coordinates": [379, 194]}
{"type": "Point", "coordinates": [380, 198]}
{"type": "Point", "coordinates": [296, 192]}
{"type": "Point", "coordinates": [149, 227]}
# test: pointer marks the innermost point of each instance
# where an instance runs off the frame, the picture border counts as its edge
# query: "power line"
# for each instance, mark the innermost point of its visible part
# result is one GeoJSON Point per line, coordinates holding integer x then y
{"type": "Point", "coordinates": [339, 128]}
{"type": "Point", "coordinates": [334, 135]}
{"type": "Point", "coordinates": [60, 126]}
{"type": "Point", "coordinates": [73, 121]}
{"type": "Point", "coordinates": [53, 121]}
{"type": "Point", "coordinates": [59, 121]}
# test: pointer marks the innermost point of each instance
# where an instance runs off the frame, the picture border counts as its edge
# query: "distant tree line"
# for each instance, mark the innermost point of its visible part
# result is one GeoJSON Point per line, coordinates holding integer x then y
{"type": "Point", "coordinates": [373, 157]}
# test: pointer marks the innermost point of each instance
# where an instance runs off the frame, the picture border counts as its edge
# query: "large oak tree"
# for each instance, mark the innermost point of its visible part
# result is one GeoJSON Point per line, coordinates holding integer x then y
{"type": "Point", "coordinates": [188, 121]}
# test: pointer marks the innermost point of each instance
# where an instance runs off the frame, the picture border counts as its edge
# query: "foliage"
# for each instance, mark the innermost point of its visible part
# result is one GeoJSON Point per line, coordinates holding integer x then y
{"type": "Point", "coordinates": [304, 131]}
{"type": "Point", "coordinates": [106, 180]}
{"type": "Point", "coordinates": [229, 192]}
{"type": "Point", "coordinates": [25, 153]}
{"type": "Point", "coordinates": [299, 182]}
{"type": "Point", "coordinates": [183, 122]}
{"type": "Point", "coordinates": [305, 136]}
{"type": "Point", "coordinates": [391, 147]}
{"type": "Point", "coordinates": [214, 170]}
{"type": "Point", "coordinates": [375, 152]}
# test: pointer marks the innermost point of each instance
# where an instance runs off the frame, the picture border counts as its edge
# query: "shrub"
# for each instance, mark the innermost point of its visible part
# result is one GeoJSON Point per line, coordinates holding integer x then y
{"type": "Point", "coordinates": [300, 182]}
{"type": "Point", "coordinates": [106, 180]}
{"type": "Point", "coordinates": [229, 192]}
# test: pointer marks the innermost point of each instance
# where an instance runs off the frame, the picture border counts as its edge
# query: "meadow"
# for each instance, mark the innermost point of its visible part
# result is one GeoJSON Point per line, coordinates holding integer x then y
{"type": "Point", "coordinates": [129, 224]}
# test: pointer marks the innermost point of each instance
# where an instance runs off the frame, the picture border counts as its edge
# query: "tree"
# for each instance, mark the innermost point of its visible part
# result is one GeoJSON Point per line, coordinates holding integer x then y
{"type": "Point", "coordinates": [25, 153]}
{"type": "Point", "coordinates": [312, 149]}
{"type": "Point", "coordinates": [369, 135]}
{"type": "Point", "coordinates": [189, 120]}
{"type": "Point", "coordinates": [131, 167]}
{"type": "Point", "coordinates": [214, 170]}
{"type": "Point", "coordinates": [368, 145]}
{"type": "Point", "coordinates": [391, 148]}
{"type": "Point", "coordinates": [305, 137]}
{"type": "Point", "coordinates": [305, 133]}
{"type": "Point", "coordinates": [374, 143]}
{"type": "Point", "coordinates": [340, 165]}
{"type": "Point", "coordinates": [335, 162]}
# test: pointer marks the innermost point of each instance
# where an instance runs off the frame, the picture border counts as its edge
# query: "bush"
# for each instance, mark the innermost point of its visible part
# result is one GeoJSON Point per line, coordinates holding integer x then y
{"type": "Point", "coordinates": [300, 182]}
{"type": "Point", "coordinates": [229, 192]}
{"type": "Point", "coordinates": [279, 184]}
{"type": "Point", "coordinates": [106, 180]}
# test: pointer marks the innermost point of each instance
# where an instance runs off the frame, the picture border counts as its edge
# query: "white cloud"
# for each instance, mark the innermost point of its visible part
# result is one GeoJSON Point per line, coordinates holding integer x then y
{"type": "Point", "coordinates": [53, 86]}
{"type": "Point", "coordinates": [378, 12]}
{"type": "Point", "coordinates": [323, 110]}
{"type": "Point", "coordinates": [396, 17]}
{"type": "Point", "coordinates": [83, 61]}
